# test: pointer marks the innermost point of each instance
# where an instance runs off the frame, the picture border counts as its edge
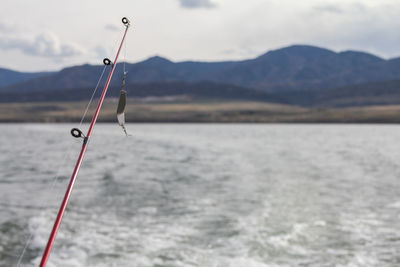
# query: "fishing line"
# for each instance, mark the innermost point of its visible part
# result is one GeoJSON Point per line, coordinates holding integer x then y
{"type": "Point", "coordinates": [125, 54]}
{"type": "Point", "coordinates": [94, 92]}
{"type": "Point", "coordinates": [63, 161]}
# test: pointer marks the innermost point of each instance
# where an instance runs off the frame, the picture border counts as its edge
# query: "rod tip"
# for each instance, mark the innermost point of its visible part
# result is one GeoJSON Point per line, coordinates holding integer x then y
{"type": "Point", "coordinates": [126, 21]}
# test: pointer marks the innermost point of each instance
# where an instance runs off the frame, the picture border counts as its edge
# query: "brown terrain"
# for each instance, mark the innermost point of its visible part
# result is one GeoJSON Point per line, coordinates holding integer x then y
{"type": "Point", "coordinates": [224, 111]}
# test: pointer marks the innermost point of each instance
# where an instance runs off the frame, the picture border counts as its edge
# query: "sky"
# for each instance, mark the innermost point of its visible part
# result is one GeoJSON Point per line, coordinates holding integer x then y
{"type": "Point", "coordinates": [48, 35]}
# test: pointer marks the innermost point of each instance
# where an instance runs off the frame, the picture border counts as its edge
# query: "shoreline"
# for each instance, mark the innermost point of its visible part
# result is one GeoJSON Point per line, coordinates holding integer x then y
{"type": "Point", "coordinates": [200, 112]}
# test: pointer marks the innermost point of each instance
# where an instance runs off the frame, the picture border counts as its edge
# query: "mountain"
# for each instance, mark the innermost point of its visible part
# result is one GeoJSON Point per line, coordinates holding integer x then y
{"type": "Point", "coordinates": [366, 94]}
{"type": "Point", "coordinates": [302, 67]}
{"type": "Point", "coordinates": [296, 67]}
{"type": "Point", "coordinates": [377, 93]}
{"type": "Point", "coordinates": [152, 70]}
{"type": "Point", "coordinates": [8, 77]}
{"type": "Point", "coordinates": [174, 90]}
{"type": "Point", "coordinates": [300, 75]}
{"type": "Point", "coordinates": [68, 78]}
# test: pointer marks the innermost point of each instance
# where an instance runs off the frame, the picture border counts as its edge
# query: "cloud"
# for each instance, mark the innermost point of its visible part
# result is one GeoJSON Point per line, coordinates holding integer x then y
{"type": "Point", "coordinates": [43, 45]}
{"type": "Point", "coordinates": [340, 8]}
{"type": "Point", "coordinates": [101, 51]}
{"type": "Point", "coordinates": [329, 8]}
{"type": "Point", "coordinates": [196, 4]}
{"type": "Point", "coordinates": [112, 27]}
{"type": "Point", "coordinates": [243, 51]}
{"type": "Point", "coordinates": [6, 27]}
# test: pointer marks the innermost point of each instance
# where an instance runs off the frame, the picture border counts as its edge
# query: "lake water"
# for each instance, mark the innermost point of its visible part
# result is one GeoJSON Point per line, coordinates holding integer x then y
{"type": "Point", "coordinates": [203, 195]}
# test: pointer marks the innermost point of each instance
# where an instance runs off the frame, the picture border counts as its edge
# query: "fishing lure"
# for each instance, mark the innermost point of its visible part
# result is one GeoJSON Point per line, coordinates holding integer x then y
{"type": "Point", "coordinates": [121, 106]}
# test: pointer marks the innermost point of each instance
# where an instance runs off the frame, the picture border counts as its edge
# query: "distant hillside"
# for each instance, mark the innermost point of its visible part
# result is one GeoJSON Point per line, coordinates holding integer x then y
{"type": "Point", "coordinates": [366, 94]}
{"type": "Point", "coordinates": [8, 77]}
{"type": "Point", "coordinates": [178, 90]}
{"type": "Point", "coordinates": [301, 67]}
{"type": "Point", "coordinates": [292, 68]}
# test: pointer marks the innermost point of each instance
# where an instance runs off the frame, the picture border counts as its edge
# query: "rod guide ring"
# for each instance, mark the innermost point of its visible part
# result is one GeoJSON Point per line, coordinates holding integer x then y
{"type": "Point", "coordinates": [125, 21]}
{"type": "Point", "coordinates": [107, 61]}
{"type": "Point", "coordinates": [75, 132]}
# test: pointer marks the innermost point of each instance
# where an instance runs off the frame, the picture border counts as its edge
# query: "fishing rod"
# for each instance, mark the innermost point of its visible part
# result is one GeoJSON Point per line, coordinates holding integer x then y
{"type": "Point", "coordinates": [78, 134]}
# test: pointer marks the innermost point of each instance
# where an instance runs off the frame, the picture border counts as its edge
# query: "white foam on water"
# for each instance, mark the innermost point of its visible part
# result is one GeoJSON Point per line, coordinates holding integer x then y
{"type": "Point", "coordinates": [129, 244]}
{"type": "Point", "coordinates": [320, 223]}
{"type": "Point", "coordinates": [148, 210]}
{"type": "Point", "coordinates": [218, 261]}
{"type": "Point", "coordinates": [39, 229]}
{"type": "Point", "coordinates": [361, 227]}
{"type": "Point", "coordinates": [249, 262]}
{"type": "Point", "coordinates": [361, 259]}
{"type": "Point", "coordinates": [363, 230]}
{"type": "Point", "coordinates": [394, 205]}
{"type": "Point", "coordinates": [289, 240]}
{"type": "Point", "coordinates": [235, 196]}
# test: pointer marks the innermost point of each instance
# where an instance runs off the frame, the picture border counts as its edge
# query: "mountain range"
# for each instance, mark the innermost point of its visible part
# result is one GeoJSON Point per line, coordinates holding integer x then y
{"type": "Point", "coordinates": [9, 77]}
{"type": "Point", "coordinates": [300, 74]}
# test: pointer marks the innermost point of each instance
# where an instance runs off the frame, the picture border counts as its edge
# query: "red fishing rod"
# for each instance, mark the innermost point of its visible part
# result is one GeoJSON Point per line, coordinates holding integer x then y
{"type": "Point", "coordinates": [78, 133]}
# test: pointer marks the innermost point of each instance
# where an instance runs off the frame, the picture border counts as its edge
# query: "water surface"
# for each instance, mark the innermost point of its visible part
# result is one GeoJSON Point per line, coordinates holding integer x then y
{"type": "Point", "coordinates": [204, 195]}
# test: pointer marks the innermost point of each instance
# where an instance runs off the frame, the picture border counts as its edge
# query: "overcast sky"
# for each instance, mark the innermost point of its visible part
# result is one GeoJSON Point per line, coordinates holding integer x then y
{"type": "Point", "coordinates": [52, 34]}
